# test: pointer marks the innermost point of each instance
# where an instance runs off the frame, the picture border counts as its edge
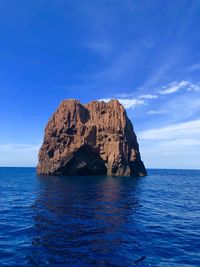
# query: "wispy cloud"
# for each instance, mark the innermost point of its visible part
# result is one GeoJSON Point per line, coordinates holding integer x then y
{"type": "Point", "coordinates": [176, 145]}
{"type": "Point", "coordinates": [177, 86]}
{"type": "Point", "coordinates": [142, 96]}
{"type": "Point", "coordinates": [156, 112]}
{"type": "Point", "coordinates": [127, 103]}
{"type": "Point", "coordinates": [184, 130]}
{"type": "Point", "coordinates": [120, 66]}
{"type": "Point", "coordinates": [194, 67]}
{"type": "Point", "coordinates": [100, 47]}
{"type": "Point", "coordinates": [148, 96]}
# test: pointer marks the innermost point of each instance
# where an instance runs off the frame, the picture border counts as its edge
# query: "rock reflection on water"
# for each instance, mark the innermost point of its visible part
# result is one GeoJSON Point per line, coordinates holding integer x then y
{"type": "Point", "coordinates": [86, 221]}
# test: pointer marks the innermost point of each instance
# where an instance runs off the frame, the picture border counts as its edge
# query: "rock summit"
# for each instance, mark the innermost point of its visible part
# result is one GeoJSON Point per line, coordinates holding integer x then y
{"type": "Point", "coordinates": [91, 139]}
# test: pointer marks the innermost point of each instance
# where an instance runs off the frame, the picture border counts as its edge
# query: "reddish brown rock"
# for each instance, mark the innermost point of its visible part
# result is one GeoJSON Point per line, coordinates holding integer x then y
{"type": "Point", "coordinates": [92, 139]}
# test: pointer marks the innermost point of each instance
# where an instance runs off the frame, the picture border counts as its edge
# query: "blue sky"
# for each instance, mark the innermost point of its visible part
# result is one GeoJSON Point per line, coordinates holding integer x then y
{"type": "Point", "coordinates": [145, 53]}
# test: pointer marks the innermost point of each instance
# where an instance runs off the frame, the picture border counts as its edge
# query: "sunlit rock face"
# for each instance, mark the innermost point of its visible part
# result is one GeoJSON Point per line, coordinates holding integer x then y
{"type": "Point", "coordinates": [92, 139]}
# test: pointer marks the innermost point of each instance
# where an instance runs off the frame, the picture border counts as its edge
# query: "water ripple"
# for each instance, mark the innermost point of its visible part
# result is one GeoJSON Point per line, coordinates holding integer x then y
{"type": "Point", "coordinates": [99, 221]}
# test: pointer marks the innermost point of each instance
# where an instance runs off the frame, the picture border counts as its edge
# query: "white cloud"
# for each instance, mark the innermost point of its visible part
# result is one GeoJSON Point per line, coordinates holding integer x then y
{"type": "Point", "coordinates": [173, 146]}
{"type": "Point", "coordinates": [18, 154]}
{"type": "Point", "coordinates": [156, 112]}
{"type": "Point", "coordinates": [131, 103]}
{"type": "Point", "coordinates": [148, 96]}
{"type": "Point", "coordinates": [183, 154]}
{"type": "Point", "coordinates": [194, 87]}
{"type": "Point", "coordinates": [187, 130]}
{"type": "Point", "coordinates": [194, 67]}
{"type": "Point", "coordinates": [127, 103]}
{"type": "Point", "coordinates": [177, 86]}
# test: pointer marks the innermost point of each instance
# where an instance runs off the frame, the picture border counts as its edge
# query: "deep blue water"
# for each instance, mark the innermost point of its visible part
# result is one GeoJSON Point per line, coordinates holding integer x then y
{"type": "Point", "coordinates": [99, 221]}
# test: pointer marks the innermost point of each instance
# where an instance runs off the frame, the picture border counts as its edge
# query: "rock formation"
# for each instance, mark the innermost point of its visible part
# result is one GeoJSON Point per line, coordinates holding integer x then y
{"type": "Point", "coordinates": [92, 139]}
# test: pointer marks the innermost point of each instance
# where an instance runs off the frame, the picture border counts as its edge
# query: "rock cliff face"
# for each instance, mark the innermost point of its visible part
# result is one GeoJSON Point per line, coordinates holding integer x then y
{"type": "Point", "coordinates": [92, 139]}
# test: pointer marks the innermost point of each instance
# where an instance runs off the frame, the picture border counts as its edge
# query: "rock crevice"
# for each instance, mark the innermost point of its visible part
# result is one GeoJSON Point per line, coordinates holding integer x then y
{"type": "Point", "coordinates": [92, 139]}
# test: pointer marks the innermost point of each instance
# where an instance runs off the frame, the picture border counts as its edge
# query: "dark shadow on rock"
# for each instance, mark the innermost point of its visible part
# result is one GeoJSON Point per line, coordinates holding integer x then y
{"type": "Point", "coordinates": [85, 161]}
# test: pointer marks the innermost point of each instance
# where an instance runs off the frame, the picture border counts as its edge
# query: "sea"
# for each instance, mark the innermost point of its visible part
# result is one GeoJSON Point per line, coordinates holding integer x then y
{"type": "Point", "coordinates": [100, 221]}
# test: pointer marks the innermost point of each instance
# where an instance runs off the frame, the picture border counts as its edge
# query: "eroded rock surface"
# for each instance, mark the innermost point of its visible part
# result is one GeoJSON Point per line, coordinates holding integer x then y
{"type": "Point", "coordinates": [92, 139]}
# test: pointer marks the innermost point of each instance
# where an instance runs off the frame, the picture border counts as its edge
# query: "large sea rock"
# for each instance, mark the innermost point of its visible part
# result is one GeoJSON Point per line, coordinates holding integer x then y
{"type": "Point", "coordinates": [92, 139]}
